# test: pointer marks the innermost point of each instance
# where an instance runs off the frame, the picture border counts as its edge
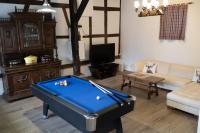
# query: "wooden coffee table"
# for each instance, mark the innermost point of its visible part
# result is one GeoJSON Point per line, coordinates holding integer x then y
{"type": "Point", "coordinates": [140, 80]}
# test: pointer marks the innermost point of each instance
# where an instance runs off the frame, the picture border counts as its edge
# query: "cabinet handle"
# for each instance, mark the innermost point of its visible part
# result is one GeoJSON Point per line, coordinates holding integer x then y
{"type": "Point", "coordinates": [24, 78]}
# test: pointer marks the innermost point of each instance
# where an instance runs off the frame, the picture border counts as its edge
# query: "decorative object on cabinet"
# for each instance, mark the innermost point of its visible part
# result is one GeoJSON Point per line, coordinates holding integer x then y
{"type": "Point", "coordinates": [14, 62]}
{"type": "Point", "coordinates": [46, 58]}
{"type": "Point", "coordinates": [29, 60]}
{"type": "Point", "coordinates": [21, 35]}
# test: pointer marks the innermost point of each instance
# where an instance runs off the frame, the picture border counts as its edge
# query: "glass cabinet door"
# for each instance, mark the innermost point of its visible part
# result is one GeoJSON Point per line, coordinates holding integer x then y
{"type": "Point", "coordinates": [31, 35]}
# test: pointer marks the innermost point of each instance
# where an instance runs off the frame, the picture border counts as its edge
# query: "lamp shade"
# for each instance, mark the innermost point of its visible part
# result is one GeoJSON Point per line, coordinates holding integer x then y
{"type": "Point", "coordinates": [165, 3]}
{"type": "Point", "coordinates": [46, 8]}
{"type": "Point", "coordinates": [136, 4]}
{"type": "Point", "coordinates": [145, 3]}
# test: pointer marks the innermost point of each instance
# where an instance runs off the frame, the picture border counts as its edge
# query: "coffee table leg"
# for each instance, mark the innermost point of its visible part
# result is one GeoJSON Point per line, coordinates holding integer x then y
{"type": "Point", "coordinates": [129, 84]}
{"type": "Point", "coordinates": [156, 88]}
{"type": "Point", "coordinates": [123, 84]}
{"type": "Point", "coordinates": [149, 92]}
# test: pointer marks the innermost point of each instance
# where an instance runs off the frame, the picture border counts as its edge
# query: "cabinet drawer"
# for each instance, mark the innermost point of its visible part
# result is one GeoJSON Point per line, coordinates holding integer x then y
{"type": "Point", "coordinates": [19, 82]}
{"type": "Point", "coordinates": [50, 73]}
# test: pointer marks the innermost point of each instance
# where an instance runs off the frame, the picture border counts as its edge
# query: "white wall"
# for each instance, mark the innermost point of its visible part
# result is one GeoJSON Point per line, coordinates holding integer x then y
{"type": "Point", "coordinates": [140, 38]}
{"type": "Point", "coordinates": [64, 46]}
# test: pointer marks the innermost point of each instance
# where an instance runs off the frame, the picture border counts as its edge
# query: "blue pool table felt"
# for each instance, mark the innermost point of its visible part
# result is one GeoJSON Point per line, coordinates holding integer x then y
{"type": "Point", "coordinates": [80, 93]}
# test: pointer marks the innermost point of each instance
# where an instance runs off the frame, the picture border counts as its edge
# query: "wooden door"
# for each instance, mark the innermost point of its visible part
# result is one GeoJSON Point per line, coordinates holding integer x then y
{"type": "Point", "coordinates": [49, 35]}
{"type": "Point", "coordinates": [35, 76]}
{"type": "Point", "coordinates": [50, 73]}
{"type": "Point", "coordinates": [19, 83]}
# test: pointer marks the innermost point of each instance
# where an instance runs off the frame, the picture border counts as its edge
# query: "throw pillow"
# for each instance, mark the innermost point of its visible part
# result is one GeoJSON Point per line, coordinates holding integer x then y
{"type": "Point", "coordinates": [150, 68]}
{"type": "Point", "coordinates": [196, 77]}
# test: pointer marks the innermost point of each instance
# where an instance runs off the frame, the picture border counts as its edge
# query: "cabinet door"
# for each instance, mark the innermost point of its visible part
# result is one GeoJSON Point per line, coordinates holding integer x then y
{"type": "Point", "coordinates": [49, 35]}
{"type": "Point", "coordinates": [50, 73]}
{"type": "Point", "coordinates": [35, 76]}
{"type": "Point", "coordinates": [19, 83]}
{"type": "Point", "coordinates": [30, 35]}
{"type": "Point", "coordinates": [9, 39]}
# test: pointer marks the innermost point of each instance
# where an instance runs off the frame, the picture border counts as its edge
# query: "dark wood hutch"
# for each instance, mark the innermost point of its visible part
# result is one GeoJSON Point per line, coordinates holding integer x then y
{"type": "Point", "coordinates": [21, 35]}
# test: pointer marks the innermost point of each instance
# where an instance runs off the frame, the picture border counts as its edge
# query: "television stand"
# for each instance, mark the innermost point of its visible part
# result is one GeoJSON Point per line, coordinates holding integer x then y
{"type": "Point", "coordinates": [102, 71]}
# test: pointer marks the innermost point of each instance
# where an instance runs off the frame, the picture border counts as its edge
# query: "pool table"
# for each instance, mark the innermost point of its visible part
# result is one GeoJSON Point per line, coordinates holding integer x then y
{"type": "Point", "coordinates": [83, 105]}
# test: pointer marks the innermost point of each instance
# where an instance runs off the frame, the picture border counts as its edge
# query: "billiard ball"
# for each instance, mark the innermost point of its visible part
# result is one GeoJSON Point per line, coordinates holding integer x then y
{"type": "Point", "coordinates": [56, 83]}
{"type": "Point", "coordinates": [98, 97]}
{"type": "Point", "coordinates": [62, 83]}
{"type": "Point", "coordinates": [65, 82]}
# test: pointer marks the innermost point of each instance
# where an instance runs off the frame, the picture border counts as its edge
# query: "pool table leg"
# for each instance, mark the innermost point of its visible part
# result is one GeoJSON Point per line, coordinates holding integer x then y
{"type": "Point", "coordinates": [119, 128]}
{"type": "Point", "coordinates": [45, 110]}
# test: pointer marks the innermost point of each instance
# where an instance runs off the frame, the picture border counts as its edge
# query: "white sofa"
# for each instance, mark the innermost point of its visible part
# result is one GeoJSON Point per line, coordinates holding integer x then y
{"type": "Point", "coordinates": [175, 75]}
{"type": "Point", "coordinates": [198, 130]}
{"type": "Point", "coordinates": [185, 94]}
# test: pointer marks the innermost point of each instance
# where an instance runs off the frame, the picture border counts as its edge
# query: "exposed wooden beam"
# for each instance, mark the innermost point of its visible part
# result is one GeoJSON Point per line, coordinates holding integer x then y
{"type": "Point", "coordinates": [62, 37]}
{"type": "Point", "coordinates": [106, 20]}
{"type": "Point", "coordinates": [101, 35]}
{"type": "Point", "coordinates": [90, 34]}
{"type": "Point", "coordinates": [90, 30]}
{"type": "Point", "coordinates": [74, 37]}
{"type": "Point", "coordinates": [31, 2]}
{"type": "Point", "coordinates": [120, 17]}
{"type": "Point", "coordinates": [59, 5]}
{"type": "Point", "coordinates": [81, 9]}
{"type": "Point", "coordinates": [101, 8]}
{"type": "Point", "coordinates": [66, 16]}
{"type": "Point", "coordinates": [34, 2]}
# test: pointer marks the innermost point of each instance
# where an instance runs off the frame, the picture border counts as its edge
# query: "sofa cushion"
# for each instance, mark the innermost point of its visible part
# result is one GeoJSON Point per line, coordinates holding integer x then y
{"type": "Point", "coordinates": [172, 82]}
{"type": "Point", "coordinates": [181, 71]}
{"type": "Point", "coordinates": [162, 67]}
{"type": "Point", "coordinates": [187, 95]}
{"type": "Point", "coordinates": [196, 77]}
{"type": "Point", "coordinates": [150, 67]}
{"type": "Point", "coordinates": [138, 66]}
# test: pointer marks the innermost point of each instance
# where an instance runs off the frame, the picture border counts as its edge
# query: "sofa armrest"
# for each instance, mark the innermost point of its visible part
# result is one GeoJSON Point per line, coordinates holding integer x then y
{"type": "Point", "coordinates": [198, 130]}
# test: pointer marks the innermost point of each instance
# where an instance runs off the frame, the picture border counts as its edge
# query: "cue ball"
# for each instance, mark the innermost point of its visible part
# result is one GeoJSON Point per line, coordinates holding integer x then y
{"type": "Point", "coordinates": [98, 97]}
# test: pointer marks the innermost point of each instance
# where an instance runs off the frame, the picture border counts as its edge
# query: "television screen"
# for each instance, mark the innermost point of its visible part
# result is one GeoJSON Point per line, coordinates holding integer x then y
{"type": "Point", "coordinates": [102, 53]}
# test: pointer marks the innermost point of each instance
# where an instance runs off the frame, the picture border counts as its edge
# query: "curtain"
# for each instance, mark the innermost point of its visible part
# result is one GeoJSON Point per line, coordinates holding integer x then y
{"type": "Point", "coordinates": [173, 22]}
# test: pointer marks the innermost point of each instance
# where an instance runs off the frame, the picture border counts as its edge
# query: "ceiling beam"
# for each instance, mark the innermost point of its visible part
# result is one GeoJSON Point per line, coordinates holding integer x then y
{"type": "Point", "coordinates": [31, 2]}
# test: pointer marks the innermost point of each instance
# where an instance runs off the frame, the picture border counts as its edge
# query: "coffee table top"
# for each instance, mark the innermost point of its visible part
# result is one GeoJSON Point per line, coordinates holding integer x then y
{"type": "Point", "coordinates": [141, 77]}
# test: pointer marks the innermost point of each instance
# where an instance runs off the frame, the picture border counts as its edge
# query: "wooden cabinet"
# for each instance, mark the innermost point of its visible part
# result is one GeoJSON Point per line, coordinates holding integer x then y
{"type": "Point", "coordinates": [21, 35]}
{"type": "Point", "coordinates": [17, 81]}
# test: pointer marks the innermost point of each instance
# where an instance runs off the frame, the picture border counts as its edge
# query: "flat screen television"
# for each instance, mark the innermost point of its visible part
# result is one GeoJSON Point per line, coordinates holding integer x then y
{"type": "Point", "coordinates": [102, 53]}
